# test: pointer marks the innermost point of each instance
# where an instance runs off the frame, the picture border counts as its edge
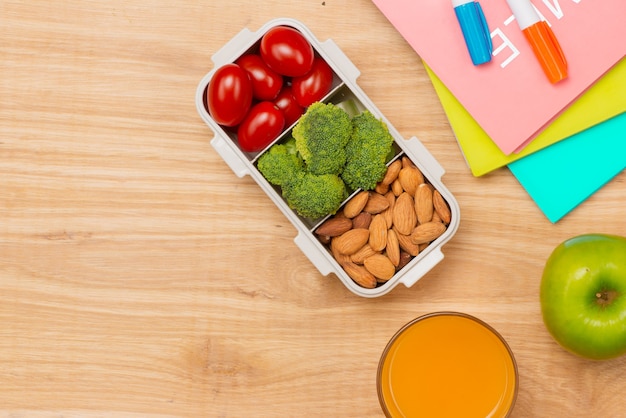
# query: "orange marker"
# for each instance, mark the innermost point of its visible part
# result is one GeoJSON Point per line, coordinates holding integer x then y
{"type": "Point", "coordinates": [541, 39]}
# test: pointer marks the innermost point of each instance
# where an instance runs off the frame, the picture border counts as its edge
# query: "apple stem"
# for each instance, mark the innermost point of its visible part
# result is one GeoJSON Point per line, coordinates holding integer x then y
{"type": "Point", "coordinates": [605, 297]}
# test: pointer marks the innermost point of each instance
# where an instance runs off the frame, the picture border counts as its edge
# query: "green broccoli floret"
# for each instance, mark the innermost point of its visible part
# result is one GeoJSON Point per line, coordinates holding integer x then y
{"type": "Point", "coordinates": [281, 163]}
{"type": "Point", "coordinates": [330, 153]}
{"type": "Point", "coordinates": [321, 136]}
{"type": "Point", "coordinates": [367, 152]}
{"type": "Point", "coordinates": [314, 196]}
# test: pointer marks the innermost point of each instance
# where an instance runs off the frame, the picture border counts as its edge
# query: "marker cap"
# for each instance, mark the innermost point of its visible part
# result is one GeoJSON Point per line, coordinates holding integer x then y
{"type": "Point", "coordinates": [547, 50]}
{"type": "Point", "coordinates": [475, 30]}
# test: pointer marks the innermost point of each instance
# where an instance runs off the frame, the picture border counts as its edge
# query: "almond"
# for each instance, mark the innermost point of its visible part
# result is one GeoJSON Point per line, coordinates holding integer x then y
{"type": "Point", "coordinates": [406, 244]}
{"type": "Point", "coordinates": [378, 233]}
{"type": "Point", "coordinates": [339, 214]}
{"type": "Point", "coordinates": [406, 162]}
{"type": "Point", "coordinates": [334, 227]}
{"type": "Point", "coordinates": [362, 220]}
{"type": "Point", "coordinates": [360, 275]}
{"type": "Point", "coordinates": [424, 203]}
{"type": "Point", "coordinates": [360, 256]}
{"type": "Point", "coordinates": [396, 187]}
{"type": "Point", "coordinates": [427, 232]}
{"type": "Point", "coordinates": [404, 217]}
{"type": "Point", "coordinates": [381, 188]}
{"type": "Point", "coordinates": [410, 177]}
{"type": "Point", "coordinates": [388, 213]}
{"type": "Point", "coordinates": [324, 239]}
{"type": "Point", "coordinates": [404, 259]}
{"type": "Point", "coordinates": [341, 258]}
{"type": "Point", "coordinates": [392, 172]}
{"type": "Point", "coordinates": [441, 207]}
{"type": "Point", "coordinates": [356, 204]}
{"type": "Point", "coordinates": [351, 241]}
{"type": "Point", "coordinates": [380, 266]}
{"type": "Point", "coordinates": [376, 203]}
{"type": "Point", "coordinates": [392, 247]}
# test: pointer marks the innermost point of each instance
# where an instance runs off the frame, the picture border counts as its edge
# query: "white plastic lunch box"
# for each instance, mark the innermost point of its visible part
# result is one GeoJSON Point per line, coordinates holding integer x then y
{"type": "Point", "coordinates": [344, 87]}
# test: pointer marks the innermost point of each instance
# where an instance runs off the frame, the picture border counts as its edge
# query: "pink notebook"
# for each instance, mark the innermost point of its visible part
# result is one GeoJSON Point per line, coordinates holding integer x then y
{"type": "Point", "coordinates": [510, 97]}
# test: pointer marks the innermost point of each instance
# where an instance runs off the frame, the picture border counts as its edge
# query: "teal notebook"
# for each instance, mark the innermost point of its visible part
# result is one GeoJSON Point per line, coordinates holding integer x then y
{"type": "Point", "coordinates": [563, 175]}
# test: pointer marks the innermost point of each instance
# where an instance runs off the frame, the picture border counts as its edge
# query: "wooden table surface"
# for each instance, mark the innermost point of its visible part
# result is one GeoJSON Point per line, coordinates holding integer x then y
{"type": "Point", "coordinates": [140, 277]}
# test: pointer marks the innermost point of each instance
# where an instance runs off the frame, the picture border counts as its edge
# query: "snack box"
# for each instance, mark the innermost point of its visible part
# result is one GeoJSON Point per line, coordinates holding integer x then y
{"type": "Point", "coordinates": [344, 87]}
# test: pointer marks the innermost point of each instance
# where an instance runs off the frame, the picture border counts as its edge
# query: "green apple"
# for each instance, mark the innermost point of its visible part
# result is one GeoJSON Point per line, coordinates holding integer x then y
{"type": "Point", "coordinates": [583, 295]}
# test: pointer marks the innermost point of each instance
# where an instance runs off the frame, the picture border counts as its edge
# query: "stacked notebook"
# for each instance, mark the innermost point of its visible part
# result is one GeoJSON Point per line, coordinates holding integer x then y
{"type": "Point", "coordinates": [561, 141]}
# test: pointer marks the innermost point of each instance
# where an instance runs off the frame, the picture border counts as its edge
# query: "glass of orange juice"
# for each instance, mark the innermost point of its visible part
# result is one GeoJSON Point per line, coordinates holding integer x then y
{"type": "Point", "coordinates": [447, 364]}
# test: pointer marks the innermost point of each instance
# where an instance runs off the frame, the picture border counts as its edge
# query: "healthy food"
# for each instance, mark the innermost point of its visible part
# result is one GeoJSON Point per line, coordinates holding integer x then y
{"type": "Point", "coordinates": [281, 163]}
{"type": "Point", "coordinates": [447, 365]}
{"type": "Point", "coordinates": [314, 195]}
{"type": "Point", "coordinates": [229, 95]}
{"type": "Point", "coordinates": [366, 152]}
{"type": "Point", "coordinates": [266, 83]}
{"type": "Point", "coordinates": [283, 73]}
{"type": "Point", "coordinates": [314, 85]}
{"type": "Point", "coordinates": [322, 134]}
{"type": "Point", "coordinates": [309, 194]}
{"type": "Point", "coordinates": [583, 295]}
{"type": "Point", "coordinates": [355, 148]}
{"type": "Point", "coordinates": [287, 51]}
{"type": "Point", "coordinates": [288, 105]}
{"type": "Point", "coordinates": [263, 123]}
{"type": "Point", "coordinates": [377, 232]}
{"type": "Point", "coordinates": [310, 167]}
{"type": "Point", "coordinates": [327, 148]}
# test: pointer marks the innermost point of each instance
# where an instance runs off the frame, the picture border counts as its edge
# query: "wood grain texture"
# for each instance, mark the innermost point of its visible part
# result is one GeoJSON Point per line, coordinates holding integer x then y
{"type": "Point", "coordinates": [140, 277]}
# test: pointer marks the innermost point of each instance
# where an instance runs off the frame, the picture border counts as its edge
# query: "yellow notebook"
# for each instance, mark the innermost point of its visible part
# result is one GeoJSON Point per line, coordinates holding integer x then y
{"type": "Point", "coordinates": [602, 101]}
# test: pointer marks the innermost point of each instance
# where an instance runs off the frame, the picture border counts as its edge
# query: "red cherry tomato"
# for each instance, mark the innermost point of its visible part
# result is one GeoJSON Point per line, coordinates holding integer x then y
{"type": "Point", "coordinates": [286, 51]}
{"type": "Point", "coordinates": [314, 85]}
{"type": "Point", "coordinates": [263, 124]}
{"type": "Point", "coordinates": [266, 83]}
{"type": "Point", "coordinates": [287, 103]}
{"type": "Point", "coordinates": [229, 95]}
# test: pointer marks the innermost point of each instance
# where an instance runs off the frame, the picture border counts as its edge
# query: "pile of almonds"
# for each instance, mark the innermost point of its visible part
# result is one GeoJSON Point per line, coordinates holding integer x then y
{"type": "Point", "coordinates": [377, 232]}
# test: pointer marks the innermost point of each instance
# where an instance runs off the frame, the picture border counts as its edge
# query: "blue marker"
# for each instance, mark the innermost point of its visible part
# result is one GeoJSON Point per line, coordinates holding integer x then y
{"type": "Point", "coordinates": [475, 30]}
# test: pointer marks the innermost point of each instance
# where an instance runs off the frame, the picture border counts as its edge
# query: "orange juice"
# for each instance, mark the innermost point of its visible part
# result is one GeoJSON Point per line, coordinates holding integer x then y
{"type": "Point", "coordinates": [447, 365]}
